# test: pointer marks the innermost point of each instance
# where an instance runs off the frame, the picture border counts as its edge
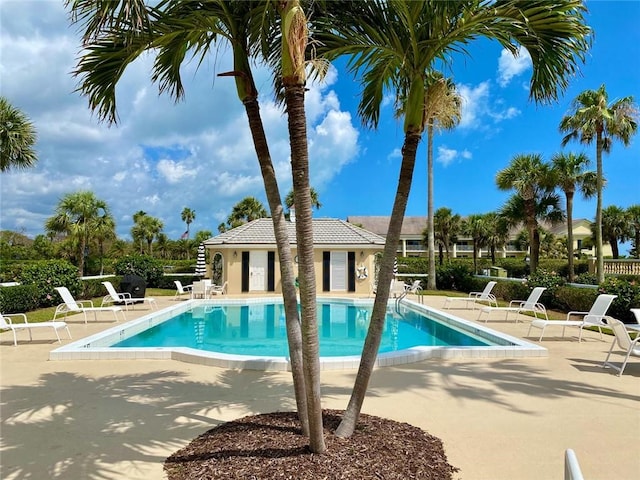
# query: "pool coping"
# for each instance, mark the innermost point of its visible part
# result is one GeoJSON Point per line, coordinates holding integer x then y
{"type": "Point", "coordinates": [94, 347]}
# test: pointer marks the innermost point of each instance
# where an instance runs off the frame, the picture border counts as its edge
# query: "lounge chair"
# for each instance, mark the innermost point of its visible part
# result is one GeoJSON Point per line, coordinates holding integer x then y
{"type": "Point", "coordinates": [475, 297]}
{"type": "Point", "coordinates": [219, 289]}
{"type": "Point", "coordinates": [182, 290]}
{"type": "Point", "coordinates": [531, 304]}
{"type": "Point", "coordinates": [71, 305]}
{"type": "Point", "coordinates": [595, 317]}
{"type": "Point", "coordinates": [124, 298]}
{"type": "Point", "coordinates": [7, 324]}
{"type": "Point", "coordinates": [636, 313]}
{"type": "Point", "coordinates": [623, 339]}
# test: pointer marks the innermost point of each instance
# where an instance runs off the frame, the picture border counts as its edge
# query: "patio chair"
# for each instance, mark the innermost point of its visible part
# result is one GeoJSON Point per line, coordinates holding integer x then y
{"type": "Point", "coordinates": [415, 287]}
{"type": "Point", "coordinates": [6, 323]}
{"type": "Point", "coordinates": [199, 290]}
{"type": "Point", "coordinates": [219, 289]}
{"type": "Point", "coordinates": [595, 317]}
{"type": "Point", "coordinates": [623, 339]}
{"type": "Point", "coordinates": [475, 297]}
{"type": "Point", "coordinates": [124, 298]}
{"type": "Point", "coordinates": [531, 304]}
{"type": "Point", "coordinates": [182, 290]}
{"type": "Point", "coordinates": [70, 305]}
{"type": "Point", "coordinates": [636, 314]}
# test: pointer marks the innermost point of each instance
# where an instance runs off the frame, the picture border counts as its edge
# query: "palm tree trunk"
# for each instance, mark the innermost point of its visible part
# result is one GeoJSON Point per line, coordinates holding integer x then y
{"type": "Point", "coordinates": [475, 257]}
{"type": "Point", "coordinates": [289, 294]}
{"type": "Point", "coordinates": [294, 98]}
{"type": "Point", "coordinates": [572, 272]}
{"type": "Point", "coordinates": [599, 183]}
{"type": "Point", "coordinates": [83, 246]}
{"type": "Point", "coordinates": [534, 235]}
{"type": "Point", "coordinates": [431, 279]}
{"type": "Point", "coordinates": [378, 315]}
{"type": "Point", "coordinates": [615, 252]}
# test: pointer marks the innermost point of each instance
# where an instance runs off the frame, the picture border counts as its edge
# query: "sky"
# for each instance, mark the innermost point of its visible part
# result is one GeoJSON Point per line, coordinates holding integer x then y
{"type": "Point", "coordinates": [162, 157]}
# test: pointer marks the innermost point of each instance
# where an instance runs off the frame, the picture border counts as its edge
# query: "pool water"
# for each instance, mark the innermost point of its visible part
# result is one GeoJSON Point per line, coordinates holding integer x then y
{"type": "Point", "coordinates": [259, 330]}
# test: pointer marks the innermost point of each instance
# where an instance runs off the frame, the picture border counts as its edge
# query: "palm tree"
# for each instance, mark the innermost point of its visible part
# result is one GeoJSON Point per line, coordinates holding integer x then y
{"type": "Point", "coordinates": [146, 228]}
{"type": "Point", "coordinates": [17, 137]}
{"type": "Point", "coordinates": [294, 37]}
{"type": "Point", "coordinates": [569, 175]}
{"type": "Point", "coordinates": [77, 215]}
{"type": "Point", "coordinates": [117, 33]}
{"type": "Point", "coordinates": [475, 226]}
{"type": "Point", "coordinates": [531, 178]}
{"type": "Point", "coordinates": [104, 231]}
{"type": "Point", "coordinates": [188, 216]}
{"type": "Point", "coordinates": [634, 217]}
{"type": "Point", "coordinates": [246, 210]}
{"type": "Point", "coordinates": [497, 233]}
{"type": "Point", "coordinates": [546, 208]}
{"type": "Point", "coordinates": [443, 109]}
{"type": "Point", "coordinates": [446, 228]}
{"type": "Point", "coordinates": [395, 45]}
{"type": "Point", "coordinates": [315, 202]}
{"type": "Point", "coordinates": [593, 117]}
{"type": "Point", "coordinates": [615, 227]}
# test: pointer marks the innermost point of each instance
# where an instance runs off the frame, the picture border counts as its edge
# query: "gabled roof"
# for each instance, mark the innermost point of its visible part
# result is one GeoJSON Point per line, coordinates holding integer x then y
{"type": "Point", "coordinates": [326, 231]}
{"type": "Point", "coordinates": [380, 225]}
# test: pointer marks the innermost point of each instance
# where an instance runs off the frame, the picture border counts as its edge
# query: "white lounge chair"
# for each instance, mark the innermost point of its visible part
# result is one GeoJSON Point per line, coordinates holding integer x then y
{"type": "Point", "coordinates": [6, 323]}
{"type": "Point", "coordinates": [595, 317]}
{"type": "Point", "coordinates": [124, 298]}
{"type": "Point", "coordinates": [623, 339]}
{"type": "Point", "coordinates": [415, 287]}
{"type": "Point", "coordinates": [182, 290]}
{"type": "Point", "coordinates": [531, 304]}
{"type": "Point", "coordinates": [636, 313]}
{"type": "Point", "coordinates": [70, 305]}
{"type": "Point", "coordinates": [475, 297]}
{"type": "Point", "coordinates": [219, 289]}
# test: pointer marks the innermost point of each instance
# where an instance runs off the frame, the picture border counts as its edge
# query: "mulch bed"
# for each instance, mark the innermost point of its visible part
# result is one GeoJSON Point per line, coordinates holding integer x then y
{"type": "Point", "coordinates": [270, 446]}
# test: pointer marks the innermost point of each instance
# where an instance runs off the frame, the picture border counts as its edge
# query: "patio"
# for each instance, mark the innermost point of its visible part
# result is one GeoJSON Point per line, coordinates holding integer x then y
{"type": "Point", "coordinates": [498, 418]}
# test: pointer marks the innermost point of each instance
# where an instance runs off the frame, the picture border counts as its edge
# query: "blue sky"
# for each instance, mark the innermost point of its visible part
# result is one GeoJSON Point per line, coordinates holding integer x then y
{"type": "Point", "coordinates": [162, 157]}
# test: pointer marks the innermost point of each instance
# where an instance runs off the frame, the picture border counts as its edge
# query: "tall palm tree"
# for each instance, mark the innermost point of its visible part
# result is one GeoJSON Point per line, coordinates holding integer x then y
{"type": "Point", "coordinates": [117, 33]}
{"type": "Point", "coordinates": [294, 38]}
{"type": "Point", "coordinates": [590, 118]}
{"type": "Point", "coordinates": [634, 218]}
{"type": "Point", "coordinates": [443, 109]}
{"type": "Point", "coordinates": [104, 231]}
{"type": "Point", "coordinates": [569, 175]}
{"type": "Point", "coordinates": [446, 229]}
{"type": "Point", "coordinates": [531, 178]}
{"type": "Point", "coordinates": [188, 216]}
{"type": "Point", "coordinates": [615, 227]}
{"type": "Point", "coordinates": [17, 138]}
{"type": "Point", "coordinates": [77, 215]}
{"type": "Point", "coordinates": [475, 226]}
{"type": "Point", "coordinates": [395, 44]}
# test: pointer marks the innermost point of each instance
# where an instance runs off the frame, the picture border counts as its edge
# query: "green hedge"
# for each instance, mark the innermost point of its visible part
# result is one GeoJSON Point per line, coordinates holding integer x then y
{"type": "Point", "coordinates": [147, 267]}
{"type": "Point", "coordinates": [19, 298]}
{"type": "Point", "coordinates": [48, 274]}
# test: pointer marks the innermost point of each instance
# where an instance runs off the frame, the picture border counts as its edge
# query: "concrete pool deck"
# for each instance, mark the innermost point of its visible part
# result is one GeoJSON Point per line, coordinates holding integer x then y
{"type": "Point", "coordinates": [498, 418]}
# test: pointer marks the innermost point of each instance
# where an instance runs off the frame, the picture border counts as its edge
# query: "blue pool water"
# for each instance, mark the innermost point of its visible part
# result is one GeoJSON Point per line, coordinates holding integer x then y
{"type": "Point", "coordinates": [259, 330]}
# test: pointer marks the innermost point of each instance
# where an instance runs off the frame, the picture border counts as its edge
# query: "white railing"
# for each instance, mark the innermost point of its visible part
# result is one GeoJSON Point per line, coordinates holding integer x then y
{"type": "Point", "coordinates": [621, 266]}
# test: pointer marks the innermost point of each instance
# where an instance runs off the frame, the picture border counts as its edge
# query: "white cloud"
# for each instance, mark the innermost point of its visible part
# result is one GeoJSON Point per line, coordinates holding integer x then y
{"type": "Point", "coordinates": [478, 104]}
{"type": "Point", "coordinates": [446, 156]}
{"type": "Point", "coordinates": [510, 66]}
{"type": "Point", "coordinates": [174, 172]}
{"type": "Point", "coordinates": [396, 153]}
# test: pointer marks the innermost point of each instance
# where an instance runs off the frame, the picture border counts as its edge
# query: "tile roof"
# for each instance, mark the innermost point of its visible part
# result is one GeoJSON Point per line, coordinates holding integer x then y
{"type": "Point", "coordinates": [380, 225]}
{"type": "Point", "coordinates": [326, 231]}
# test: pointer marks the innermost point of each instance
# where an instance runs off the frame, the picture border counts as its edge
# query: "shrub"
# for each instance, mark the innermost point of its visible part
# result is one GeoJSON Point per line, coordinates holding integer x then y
{"type": "Point", "coordinates": [93, 288]}
{"type": "Point", "coordinates": [515, 267]}
{"type": "Point", "coordinates": [18, 299]}
{"type": "Point", "coordinates": [511, 290]}
{"type": "Point", "coordinates": [628, 297]}
{"type": "Point", "coordinates": [551, 281]}
{"type": "Point", "coordinates": [48, 274]}
{"type": "Point", "coordinates": [167, 282]}
{"type": "Point", "coordinates": [586, 279]}
{"type": "Point", "coordinates": [144, 266]}
{"type": "Point", "coordinates": [454, 276]}
{"type": "Point", "coordinates": [575, 298]}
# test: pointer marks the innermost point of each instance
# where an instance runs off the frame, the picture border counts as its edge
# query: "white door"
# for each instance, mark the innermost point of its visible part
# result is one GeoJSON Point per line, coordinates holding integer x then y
{"type": "Point", "coordinates": [338, 271]}
{"type": "Point", "coordinates": [258, 271]}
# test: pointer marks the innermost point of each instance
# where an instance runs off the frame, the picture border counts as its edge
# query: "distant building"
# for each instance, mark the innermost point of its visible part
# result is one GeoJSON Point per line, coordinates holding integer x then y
{"type": "Point", "coordinates": [412, 236]}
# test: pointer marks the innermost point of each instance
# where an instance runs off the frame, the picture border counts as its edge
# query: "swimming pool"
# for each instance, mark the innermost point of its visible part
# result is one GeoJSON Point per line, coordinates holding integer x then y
{"type": "Point", "coordinates": [251, 334]}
